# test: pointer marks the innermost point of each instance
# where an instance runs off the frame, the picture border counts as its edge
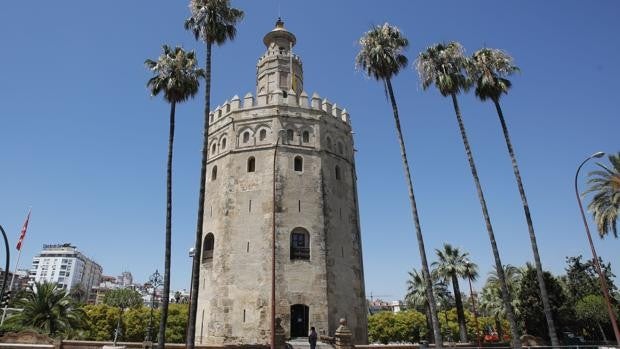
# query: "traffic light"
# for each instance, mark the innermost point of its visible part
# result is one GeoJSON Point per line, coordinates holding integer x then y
{"type": "Point", "coordinates": [6, 298]}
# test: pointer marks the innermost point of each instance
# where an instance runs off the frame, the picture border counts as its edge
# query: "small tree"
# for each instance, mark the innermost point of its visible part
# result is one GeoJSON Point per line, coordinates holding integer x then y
{"type": "Point", "coordinates": [592, 309]}
{"type": "Point", "coordinates": [123, 299]}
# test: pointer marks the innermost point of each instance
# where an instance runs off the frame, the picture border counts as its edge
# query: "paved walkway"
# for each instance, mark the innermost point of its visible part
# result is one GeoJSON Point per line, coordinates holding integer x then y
{"type": "Point", "coordinates": [302, 343]}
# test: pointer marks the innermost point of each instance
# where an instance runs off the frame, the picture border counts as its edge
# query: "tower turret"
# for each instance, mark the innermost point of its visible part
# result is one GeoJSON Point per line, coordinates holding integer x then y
{"type": "Point", "coordinates": [279, 68]}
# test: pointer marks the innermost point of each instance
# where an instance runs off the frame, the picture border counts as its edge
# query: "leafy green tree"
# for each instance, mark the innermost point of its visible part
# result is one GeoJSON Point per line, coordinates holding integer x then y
{"type": "Point", "coordinates": [177, 76]}
{"type": "Point", "coordinates": [101, 321]}
{"type": "Point", "coordinates": [443, 65]}
{"type": "Point", "coordinates": [591, 309]}
{"type": "Point", "coordinates": [213, 22]}
{"type": "Point", "coordinates": [137, 323]}
{"type": "Point", "coordinates": [490, 69]}
{"type": "Point", "coordinates": [381, 57]}
{"type": "Point", "coordinates": [123, 299]}
{"type": "Point", "coordinates": [177, 323]}
{"type": "Point", "coordinates": [605, 205]}
{"type": "Point", "coordinates": [531, 306]}
{"type": "Point", "coordinates": [451, 266]}
{"type": "Point", "coordinates": [48, 308]}
{"type": "Point", "coordinates": [405, 326]}
{"type": "Point", "coordinates": [582, 279]}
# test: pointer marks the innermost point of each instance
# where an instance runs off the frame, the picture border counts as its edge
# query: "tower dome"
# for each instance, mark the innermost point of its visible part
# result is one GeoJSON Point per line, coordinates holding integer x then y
{"type": "Point", "coordinates": [279, 68]}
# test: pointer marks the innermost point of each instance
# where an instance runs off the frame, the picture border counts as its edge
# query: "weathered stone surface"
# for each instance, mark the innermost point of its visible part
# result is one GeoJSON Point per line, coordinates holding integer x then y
{"type": "Point", "coordinates": [234, 301]}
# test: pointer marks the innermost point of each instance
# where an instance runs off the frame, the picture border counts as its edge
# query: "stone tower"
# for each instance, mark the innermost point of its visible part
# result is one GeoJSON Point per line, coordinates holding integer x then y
{"type": "Point", "coordinates": [301, 149]}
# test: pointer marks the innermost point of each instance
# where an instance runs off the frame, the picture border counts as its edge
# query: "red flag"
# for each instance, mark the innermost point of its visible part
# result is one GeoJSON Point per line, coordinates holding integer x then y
{"type": "Point", "coordinates": [22, 235]}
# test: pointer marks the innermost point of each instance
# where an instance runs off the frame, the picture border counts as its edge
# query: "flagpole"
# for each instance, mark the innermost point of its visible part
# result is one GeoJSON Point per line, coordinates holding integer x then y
{"type": "Point", "coordinates": [19, 255]}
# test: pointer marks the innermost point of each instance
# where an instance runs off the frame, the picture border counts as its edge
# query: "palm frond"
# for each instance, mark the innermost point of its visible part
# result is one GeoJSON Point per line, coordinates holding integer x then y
{"type": "Point", "coordinates": [605, 204]}
{"type": "Point", "coordinates": [175, 74]}
{"type": "Point", "coordinates": [213, 21]}
{"type": "Point", "coordinates": [381, 52]}
{"type": "Point", "coordinates": [489, 68]}
{"type": "Point", "coordinates": [445, 66]}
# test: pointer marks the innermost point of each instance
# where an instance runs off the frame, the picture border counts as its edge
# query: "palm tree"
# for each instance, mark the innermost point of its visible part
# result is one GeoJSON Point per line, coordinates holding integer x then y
{"type": "Point", "coordinates": [491, 304]}
{"type": "Point", "coordinates": [417, 297]}
{"type": "Point", "coordinates": [489, 69]}
{"type": "Point", "coordinates": [381, 57]}
{"type": "Point", "coordinates": [212, 21]}
{"type": "Point", "coordinates": [450, 267]}
{"type": "Point", "coordinates": [605, 204]}
{"type": "Point", "coordinates": [176, 75]}
{"type": "Point", "coordinates": [443, 65]}
{"type": "Point", "coordinates": [470, 272]}
{"type": "Point", "coordinates": [49, 308]}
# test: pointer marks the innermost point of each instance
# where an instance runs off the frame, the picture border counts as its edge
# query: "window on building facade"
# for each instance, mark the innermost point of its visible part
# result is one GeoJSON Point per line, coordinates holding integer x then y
{"type": "Point", "coordinates": [340, 148]}
{"type": "Point", "coordinates": [262, 135]}
{"type": "Point", "coordinates": [329, 143]}
{"type": "Point", "coordinates": [290, 135]}
{"type": "Point", "coordinates": [207, 248]}
{"type": "Point", "coordinates": [246, 137]}
{"type": "Point", "coordinates": [223, 146]}
{"type": "Point", "coordinates": [305, 137]}
{"type": "Point", "coordinates": [213, 148]}
{"type": "Point", "coordinates": [338, 172]}
{"type": "Point", "coordinates": [251, 164]}
{"type": "Point", "coordinates": [299, 164]}
{"type": "Point", "coordinates": [300, 244]}
{"type": "Point", "coordinates": [214, 173]}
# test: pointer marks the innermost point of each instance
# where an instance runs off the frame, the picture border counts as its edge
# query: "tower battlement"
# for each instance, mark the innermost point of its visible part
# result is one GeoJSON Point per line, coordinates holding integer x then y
{"type": "Point", "coordinates": [251, 106]}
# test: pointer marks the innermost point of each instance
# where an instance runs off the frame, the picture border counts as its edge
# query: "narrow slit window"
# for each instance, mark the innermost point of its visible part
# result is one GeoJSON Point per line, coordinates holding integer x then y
{"type": "Point", "coordinates": [214, 173]}
{"type": "Point", "coordinates": [299, 164]}
{"type": "Point", "coordinates": [299, 205]}
{"type": "Point", "coordinates": [305, 137]}
{"type": "Point", "coordinates": [290, 135]}
{"type": "Point", "coordinates": [337, 172]}
{"type": "Point", "coordinates": [246, 137]}
{"type": "Point", "coordinates": [250, 206]}
{"type": "Point", "coordinates": [213, 148]}
{"type": "Point", "coordinates": [251, 164]}
{"type": "Point", "coordinates": [223, 145]}
{"type": "Point", "coordinates": [262, 135]}
{"type": "Point", "coordinates": [247, 247]}
{"type": "Point", "coordinates": [207, 248]}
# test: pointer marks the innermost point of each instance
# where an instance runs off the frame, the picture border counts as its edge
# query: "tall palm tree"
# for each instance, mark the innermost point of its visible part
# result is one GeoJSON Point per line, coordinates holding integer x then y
{"type": "Point", "coordinates": [605, 204]}
{"type": "Point", "coordinates": [417, 297]}
{"type": "Point", "coordinates": [489, 69]}
{"type": "Point", "coordinates": [176, 75]}
{"type": "Point", "coordinates": [470, 273]}
{"type": "Point", "coordinates": [491, 305]}
{"type": "Point", "coordinates": [212, 21]}
{"type": "Point", "coordinates": [443, 65]}
{"type": "Point", "coordinates": [450, 267]}
{"type": "Point", "coordinates": [49, 308]}
{"type": "Point", "coordinates": [381, 57]}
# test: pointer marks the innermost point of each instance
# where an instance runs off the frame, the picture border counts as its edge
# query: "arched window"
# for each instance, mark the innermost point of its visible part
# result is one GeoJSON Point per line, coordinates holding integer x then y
{"type": "Point", "coordinates": [262, 135]}
{"type": "Point", "coordinates": [338, 172]}
{"type": "Point", "coordinates": [290, 135]}
{"type": "Point", "coordinates": [246, 137]}
{"type": "Point", "coordinates": [299, 164]}
{"type": "Point", "coordinates": [207, 248]}
{"type": "Point", "coordinates": [223, 145]}
{"type": "Point", "coordinates": [300, 244]}
{"type": "Point", "coordinates": [213, 148]}
{"type": "Point", "coordinates": [305, 137]}
{"type": "Point", "coordinates": [329, 143]}
{"type": "Point", "coordinates": [214, 173]}
{"type": "Point", "coordinates": [340, 148]}
{"type": "Point", "coordinates": [251, 164]}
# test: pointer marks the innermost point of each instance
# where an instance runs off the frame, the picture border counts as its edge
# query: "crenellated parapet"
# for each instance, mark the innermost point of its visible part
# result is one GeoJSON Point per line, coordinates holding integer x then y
{"type": "Point", "coordinates": [263, 104]}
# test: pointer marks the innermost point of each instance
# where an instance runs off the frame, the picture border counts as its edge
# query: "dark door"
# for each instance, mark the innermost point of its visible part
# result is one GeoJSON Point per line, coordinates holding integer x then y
{"type": "Point", "coordinates": [299, 320]}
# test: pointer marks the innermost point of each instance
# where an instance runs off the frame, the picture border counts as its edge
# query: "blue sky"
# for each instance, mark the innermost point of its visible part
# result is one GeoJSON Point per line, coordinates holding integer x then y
{"type": "Point", "coordinates": [84, 144]}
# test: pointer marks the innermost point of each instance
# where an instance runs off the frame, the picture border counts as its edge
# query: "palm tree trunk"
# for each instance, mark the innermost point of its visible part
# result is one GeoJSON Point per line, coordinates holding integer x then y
{"type": "Point", "coordinates": [600, 328]}
{"type": "Point", "coordinates": [530, 226]}
{"type": "Point", "coordinates": [161, 342]}
{"type": "Point", "coordinates": [191, 328]}
{"type": "Point", "coordinates": [429, 323]}
{"type": "Point", "coordinates": [516, 342]}
{"type": "Point", "coordinates": [460, 314]}
{"type": "Point", "coordinates": [414, 211]}
{"type": "Point", "coordinates": [499, 329]}
{"type": "Point", "coordinates": [473, 306]}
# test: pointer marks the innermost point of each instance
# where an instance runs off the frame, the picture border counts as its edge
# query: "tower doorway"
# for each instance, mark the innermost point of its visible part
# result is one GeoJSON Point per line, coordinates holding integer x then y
{"type": "Point", "coordinates": [299, 320]}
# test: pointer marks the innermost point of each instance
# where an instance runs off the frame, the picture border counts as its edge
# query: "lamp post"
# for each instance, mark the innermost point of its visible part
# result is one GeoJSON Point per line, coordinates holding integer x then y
{"type": "Point", "coordinates": [273, 245]}
{"type": "Point", "coordinates": [603, 280]}
{"type": "Point", "coordinates": [155, 280]}
{"type": "Point", "coordinates": [6, 268]}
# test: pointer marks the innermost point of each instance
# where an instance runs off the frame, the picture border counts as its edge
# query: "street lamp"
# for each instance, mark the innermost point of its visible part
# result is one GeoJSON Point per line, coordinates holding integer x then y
{"type": "Point", "coordinates": [6, 268]}
{"type": "Point", "coordinates": [273, 244]}
{"type": "Point", "coordinates": [603, 280]}
{"type": "Point", "coordinates": [155, 280]}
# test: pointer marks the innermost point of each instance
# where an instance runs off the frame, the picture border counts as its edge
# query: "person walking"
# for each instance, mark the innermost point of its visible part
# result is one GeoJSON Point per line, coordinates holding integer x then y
{"type": "Point", "coordinates": [312, 336]}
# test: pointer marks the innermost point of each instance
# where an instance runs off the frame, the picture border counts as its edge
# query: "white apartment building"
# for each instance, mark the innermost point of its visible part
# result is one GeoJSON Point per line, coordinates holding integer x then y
{"type": "Point", "coordinates": [64, 265]}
